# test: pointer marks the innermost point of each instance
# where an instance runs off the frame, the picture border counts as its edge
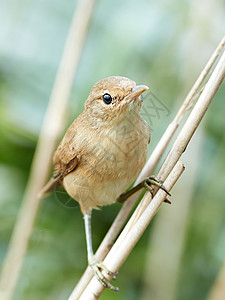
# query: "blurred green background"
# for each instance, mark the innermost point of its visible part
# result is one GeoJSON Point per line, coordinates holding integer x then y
{"type": "Point", "coordinates": [164, 44]}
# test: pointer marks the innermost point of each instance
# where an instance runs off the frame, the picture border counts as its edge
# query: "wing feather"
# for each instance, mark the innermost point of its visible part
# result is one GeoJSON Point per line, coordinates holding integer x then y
{"type": "Point", "coordinates": [65, 160]}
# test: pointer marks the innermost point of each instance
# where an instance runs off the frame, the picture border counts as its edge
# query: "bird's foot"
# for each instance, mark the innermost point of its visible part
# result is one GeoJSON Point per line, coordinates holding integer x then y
{"type": "Point", "coordinates": [97, 268]}
{"type": "Point", "coordinates": [147, 184]}
{"type": "Point", "coordinates": [152, 180]}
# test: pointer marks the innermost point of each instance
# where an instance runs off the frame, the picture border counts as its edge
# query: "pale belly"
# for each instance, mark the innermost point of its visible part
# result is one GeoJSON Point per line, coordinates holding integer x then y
{"type": "Point", "coordinates": [95, 191]}
{"type": "Point", "coordinates": [107, 169]}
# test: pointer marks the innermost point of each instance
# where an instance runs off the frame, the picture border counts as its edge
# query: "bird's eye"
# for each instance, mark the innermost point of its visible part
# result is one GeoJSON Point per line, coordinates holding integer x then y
{"type": "Point", "coordinates": [107, 98]}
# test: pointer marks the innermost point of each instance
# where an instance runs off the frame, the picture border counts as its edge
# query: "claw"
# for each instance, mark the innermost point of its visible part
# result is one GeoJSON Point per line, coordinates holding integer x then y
{"type": "Point", "coordinates": [167, 201]}
{"type": "Point", "coordinates": [97, 268]}
{"type": "Point", "coordinates": [152, 180]}
{"type": "Point", "coordinates": [114, 276]}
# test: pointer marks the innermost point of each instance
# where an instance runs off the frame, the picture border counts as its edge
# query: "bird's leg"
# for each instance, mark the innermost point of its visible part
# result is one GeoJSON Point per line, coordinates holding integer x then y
{"type": "Point", "coordinates": [96, 266]}
{"type": "Point", "coordinates": [147, 184]}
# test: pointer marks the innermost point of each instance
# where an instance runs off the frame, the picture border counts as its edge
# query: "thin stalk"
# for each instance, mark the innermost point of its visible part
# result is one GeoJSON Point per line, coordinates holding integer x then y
{"type": "Point", "coordinates": [130, 235]}
{"type": "Point", "coordinates": [50, 132]}
{"type": "Point", "coordinates": [124, 246]}
{"type": "Point", "coordinates": [148, 170]}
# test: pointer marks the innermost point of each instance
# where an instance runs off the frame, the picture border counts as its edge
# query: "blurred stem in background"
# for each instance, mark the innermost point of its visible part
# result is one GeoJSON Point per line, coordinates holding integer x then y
{"type": "Point", "coordinates": [217, 291]}
{"type": "Point", "coordinates": [148, 42]}
{"type": "Point", "coordinates": [52, 127]}
{"type": "Point", "coordinates": [168, 236]}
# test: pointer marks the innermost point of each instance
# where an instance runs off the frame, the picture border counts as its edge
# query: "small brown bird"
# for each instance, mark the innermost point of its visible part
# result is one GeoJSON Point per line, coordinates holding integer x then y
{"type": "Point", "coordinates": [102, 153]}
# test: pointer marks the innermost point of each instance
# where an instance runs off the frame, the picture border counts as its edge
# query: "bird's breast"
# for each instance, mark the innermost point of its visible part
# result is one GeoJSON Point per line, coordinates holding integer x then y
{"type": "Point", "coordinates": [110, 163]}
{"type": "Point", "coordinates": [120, 151]}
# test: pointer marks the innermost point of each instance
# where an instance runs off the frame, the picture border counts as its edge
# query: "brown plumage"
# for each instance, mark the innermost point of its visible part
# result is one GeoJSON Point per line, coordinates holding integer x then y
{"type": "Point", "coordinates": [103, 150]}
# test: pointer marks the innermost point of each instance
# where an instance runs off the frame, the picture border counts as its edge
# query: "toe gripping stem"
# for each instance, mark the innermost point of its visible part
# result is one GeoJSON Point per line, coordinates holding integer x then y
{"type": "Point", "coordinates": [97, 268]}
{"type": "Point", "coordinates": [147, 184]}
{"type": "Point", "coordinates": [152, 180]}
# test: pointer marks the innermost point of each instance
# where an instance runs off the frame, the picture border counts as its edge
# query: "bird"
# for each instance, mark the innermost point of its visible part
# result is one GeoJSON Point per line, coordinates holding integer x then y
{"type": "Point", "coordinates": [102, 153]}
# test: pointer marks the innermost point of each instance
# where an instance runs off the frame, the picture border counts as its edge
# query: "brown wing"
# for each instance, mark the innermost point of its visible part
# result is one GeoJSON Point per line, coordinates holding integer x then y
{"type": "Point", "coordinates": [65, 160]}
{"type": "Point", "coordinates": [66, 157]}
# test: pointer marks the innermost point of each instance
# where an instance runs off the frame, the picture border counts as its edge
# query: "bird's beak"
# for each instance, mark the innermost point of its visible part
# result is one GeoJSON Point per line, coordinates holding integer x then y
{"type": "Point", "coordinates": [136, 92]}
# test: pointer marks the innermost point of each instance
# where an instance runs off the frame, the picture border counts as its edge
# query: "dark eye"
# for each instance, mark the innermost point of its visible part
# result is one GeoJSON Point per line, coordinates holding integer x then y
{"type": "Point", "coordinates": [107, 98]}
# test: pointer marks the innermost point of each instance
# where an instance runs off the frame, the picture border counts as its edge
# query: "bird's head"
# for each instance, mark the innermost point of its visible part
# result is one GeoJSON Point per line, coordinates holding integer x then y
{"type": "Point", "coordinates": [113, 98]}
